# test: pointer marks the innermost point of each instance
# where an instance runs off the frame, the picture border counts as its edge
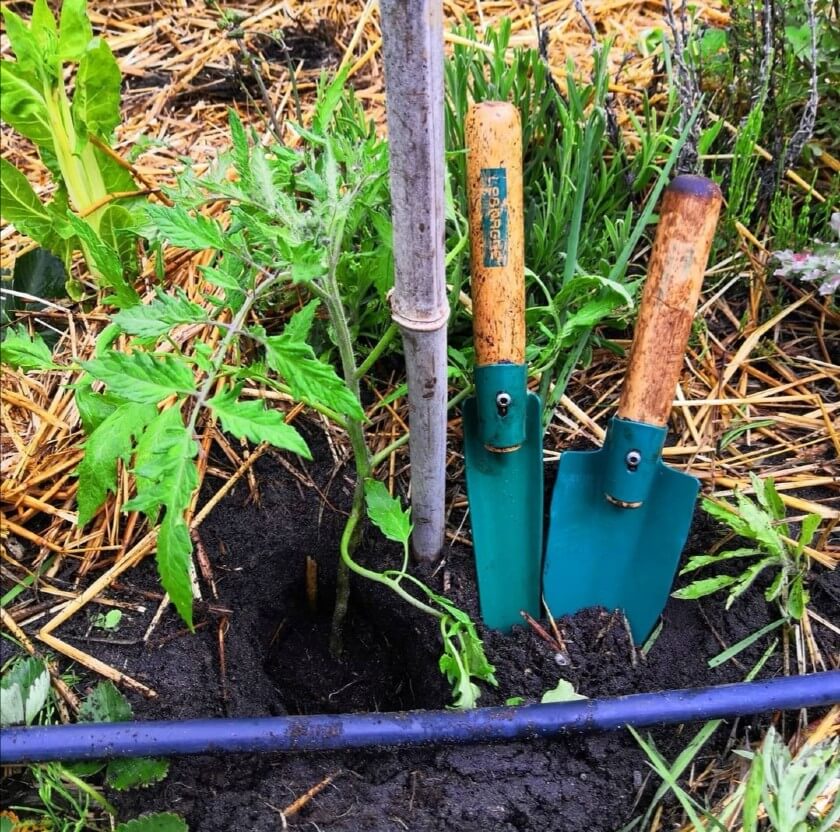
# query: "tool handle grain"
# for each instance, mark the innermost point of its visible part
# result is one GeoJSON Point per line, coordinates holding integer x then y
{"type": "Point", "coordinates": [497, 259]}
{"type": "Point", "coordinates": [687, 223]}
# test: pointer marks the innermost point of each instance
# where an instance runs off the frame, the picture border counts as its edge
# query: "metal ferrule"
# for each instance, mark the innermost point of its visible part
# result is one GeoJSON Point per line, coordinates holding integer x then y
{"type": "Point", "coordinates": [632, 453]}
{"type": "Point", "coordinates": [501, 395]}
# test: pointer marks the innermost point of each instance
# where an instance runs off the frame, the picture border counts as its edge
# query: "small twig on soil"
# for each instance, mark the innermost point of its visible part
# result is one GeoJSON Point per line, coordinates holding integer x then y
{"type": "Point", "coordinates": [294, 807]}
{"type": "Point", "coordinates": [204, 564]}
{"type": "Point", "coordinates": [555, 629]}
{"type": "Point", "coordinates": [311, 583]}
{"type": "Point", "coordinates": [156, 618]}
{"type": "Point", "coordinates": [634, 660]}
{"type": "Point", "coordinates": [541, 632]}
{"type": "Point", "coordinates": [222, 630]}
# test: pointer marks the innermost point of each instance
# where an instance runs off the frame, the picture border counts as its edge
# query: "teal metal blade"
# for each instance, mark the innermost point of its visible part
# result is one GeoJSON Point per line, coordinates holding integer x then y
{"type": "Point", "coordinates": [618, 553]}
{"type": "Point", "coordinates": [505, 492]}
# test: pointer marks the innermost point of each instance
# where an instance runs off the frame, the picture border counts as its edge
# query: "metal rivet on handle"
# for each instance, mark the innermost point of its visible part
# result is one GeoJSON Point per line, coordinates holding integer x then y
{"type": "Point", "coordinates": [633, 459]}
{"type": "Point", "coordinates": [503, 401]}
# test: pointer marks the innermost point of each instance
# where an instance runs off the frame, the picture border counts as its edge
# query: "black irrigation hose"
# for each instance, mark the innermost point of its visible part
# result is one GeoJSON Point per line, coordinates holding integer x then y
{"type": "Point", "coordinates": [331, 732]}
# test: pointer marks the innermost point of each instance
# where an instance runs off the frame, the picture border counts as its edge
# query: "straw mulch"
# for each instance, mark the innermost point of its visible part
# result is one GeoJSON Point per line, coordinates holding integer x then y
{"type": "Point", "coordinates": [182, 73]}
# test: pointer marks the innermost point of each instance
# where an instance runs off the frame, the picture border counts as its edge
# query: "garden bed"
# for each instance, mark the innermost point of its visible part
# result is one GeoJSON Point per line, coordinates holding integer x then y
{"type": "Point", "coordinates": [262, 526]}
{"type": "Point", "coordinates": [277, 661]}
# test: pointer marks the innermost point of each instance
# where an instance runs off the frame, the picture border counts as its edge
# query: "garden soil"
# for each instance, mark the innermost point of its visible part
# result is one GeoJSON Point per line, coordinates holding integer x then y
{"type": "Point", "coordinates": [277, 662]}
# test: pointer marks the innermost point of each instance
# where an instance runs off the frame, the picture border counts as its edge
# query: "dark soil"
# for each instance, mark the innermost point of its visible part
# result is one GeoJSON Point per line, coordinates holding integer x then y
{"type": "Point", "coordinates": [278, 662]}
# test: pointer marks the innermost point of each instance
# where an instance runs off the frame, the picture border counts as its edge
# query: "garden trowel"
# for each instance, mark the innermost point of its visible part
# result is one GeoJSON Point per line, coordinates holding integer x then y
{"type": "Point", "coordinates": [619, 516]}
{"type": "Point", "coordinates": [502, 428]}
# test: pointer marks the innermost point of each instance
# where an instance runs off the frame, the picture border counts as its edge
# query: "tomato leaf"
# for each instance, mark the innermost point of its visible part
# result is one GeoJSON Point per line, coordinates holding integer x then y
{"type": "Point", "coordinates": [23, 351]}
{"type": "Point", "coordinates": [159, 316]}
{"type": "Point", "coordinates": [386, 512]}
{"type": "Point", "coordinates": [110, 442]}
{"type": "Point", "coordinates": [184, 230]}
{"type": "Point", "coordinates": [141, 377]}
{"type": "Point", "coordinates": [311, 380]}
{"type": "Point", "coordinates": [251, 420]}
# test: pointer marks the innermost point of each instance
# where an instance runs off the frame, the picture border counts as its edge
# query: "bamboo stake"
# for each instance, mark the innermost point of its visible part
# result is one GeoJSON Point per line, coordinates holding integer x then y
{"type": "Point", "coordinates": [413, 49]}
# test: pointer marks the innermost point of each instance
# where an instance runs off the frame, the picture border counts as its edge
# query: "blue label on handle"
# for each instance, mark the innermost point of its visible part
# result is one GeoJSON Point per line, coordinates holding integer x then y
{"type": "Point", "coordinates": [494, 216]}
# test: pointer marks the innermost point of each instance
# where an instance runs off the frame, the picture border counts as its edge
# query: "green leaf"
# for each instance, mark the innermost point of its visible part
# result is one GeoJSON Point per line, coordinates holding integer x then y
{"type": "Point", "coordinates": [743, 644]}
{"type": "Point", "coordinates": [114, 176]}
{"type": "Point", "coordinates": [75, 31]}
{"type": "Point", "coordinates": [746, 578]}
{"type": "Point", "coordinates": [105, 260]}
{"type": "Point", "coordinates": [591, 313]}
{"type": "Point", "coordinates": [22, 40]}
{"type": "Point", "coordinates": [44, 26]}
{"type": "Point", "coordinates": [752, 794]}
{"type": "Point", "coordinates": [155, 438]}
{"type": "Point", "coordinates": [24, 352]}
{"type": "Point", "coordinates": [41, 274]}
{"type": "Point", "coordinates": [251, 420]}
{"type": "Point", "coordinates": [117, 230]}
{"type": "Point", "coordinates": [20, 205]}
{"type": "Point", "coordinates": [108, 620]}
{"type": "Point", "coordinates": [96, 101]}
{"type": "Point", "coordinates": [329, 96]}
{"type": "Point", "coordinates": [94, 408]}
{"type": "Point", "coordinates": [760, 525]}
{"type": "Point", "coordinates": [699, 589]}
{"type": "Point", "coordinates": [386, 512]}
{"type": "Point", "coordinates": [22, 104]}
{"type": "Point", "coordinates": [311, 380]}
{"type": "Point", "coordinates": [181, 229]}
{"type": "Point", "coordinates": [733, 433]}
{"type": "Point", "coordinates": [24, 691]}
{"type": "Point", "coordinates": [300, 324]}
{"type": "Point", "coordinates": [166, 476]}
{"type": "Point", "coordinates": [697, 561]}
{"type": "Point", "coordinates": [141, 377]}
{"type": "Point", "coordinates": [810, 524]}
{"type": "Point", "coordinates": [772, 591]}
{"type": "Point", "coordinates": [241, 149]}
{"type": "Point", "coordinates": [728, 515]}
{"type": "Point", "coordinates": [564, 692]}
{"type": "Point", "coordinates": [309, 262]}
{"type": "Point", "coordinates": [110, 442]}
{"type": "Point", "coordinates": [768, 497]}
{"type": "Point", "coordinates": [174, 550]}
{"type": "Point", "coordinates": [799, 37]}
{"type": "Point", "coordinates": [158, 317]}
{"type": "Point", "coordinates": [513, 701]}
{"type": "Point", "coordinates": [661, 767]}
{"type": "Point", "coordinates": [798, 599]}
{"type": "Point", "coordinates": [160, 822]}
{"type": "Point", "coordinates": [221, 278]}
{"type": "Point", "coordinates": [105, 704]}
{"type": "Point", "coordinates": [135, 772]}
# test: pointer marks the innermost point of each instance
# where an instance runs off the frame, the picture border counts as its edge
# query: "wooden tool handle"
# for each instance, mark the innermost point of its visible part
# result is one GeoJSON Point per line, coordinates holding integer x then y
{"type": "Point", "coordinates": [494, 192]}
{"type": "Point", "coordinates": [684, 237]}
